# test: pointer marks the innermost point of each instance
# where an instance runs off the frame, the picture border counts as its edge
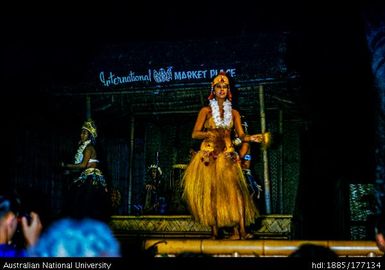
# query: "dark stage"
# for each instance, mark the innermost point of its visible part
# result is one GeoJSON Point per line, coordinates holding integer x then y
{"type": "Point", "coordinates": [142, 75]}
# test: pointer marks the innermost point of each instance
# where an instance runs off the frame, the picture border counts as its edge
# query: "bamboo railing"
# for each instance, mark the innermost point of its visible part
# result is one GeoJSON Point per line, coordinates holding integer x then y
{"type": "Point", "coordinates": [259, 248]}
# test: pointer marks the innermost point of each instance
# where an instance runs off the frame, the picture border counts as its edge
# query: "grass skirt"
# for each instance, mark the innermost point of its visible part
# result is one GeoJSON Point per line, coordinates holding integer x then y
{"type": "Point", "coordinates": [216, 191]}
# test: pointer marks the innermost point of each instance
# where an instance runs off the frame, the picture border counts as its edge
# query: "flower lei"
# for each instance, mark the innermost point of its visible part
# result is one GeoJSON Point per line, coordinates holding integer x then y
{"type": "Point", "coordinates": [79, 153]}
{"type": "Point", "coordinates": [227, 115]}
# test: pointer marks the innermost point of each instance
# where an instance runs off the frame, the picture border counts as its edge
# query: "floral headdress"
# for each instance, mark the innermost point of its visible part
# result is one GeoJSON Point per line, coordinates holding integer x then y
{"type": "Point", "coordinates": [155, 167]}
{"type": "Point", "coordinates": [89, 125]}
{"type": "Point", "coordinates": [220, 78]}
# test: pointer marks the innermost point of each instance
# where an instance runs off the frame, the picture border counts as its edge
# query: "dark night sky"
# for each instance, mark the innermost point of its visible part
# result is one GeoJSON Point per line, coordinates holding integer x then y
{"type": "Point", "coordinates": [327, 47]}
{"type": "Point", "coordinates": [57, 45]}
{"type": "Point", "coordinates": [46, 42]}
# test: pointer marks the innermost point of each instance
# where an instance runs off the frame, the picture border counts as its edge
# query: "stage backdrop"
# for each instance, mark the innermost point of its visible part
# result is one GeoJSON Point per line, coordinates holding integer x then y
{"type": "Point", "coordinates": [145, 98]}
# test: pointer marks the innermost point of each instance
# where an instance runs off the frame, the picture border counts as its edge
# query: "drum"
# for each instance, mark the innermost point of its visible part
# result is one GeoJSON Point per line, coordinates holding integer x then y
{"type": "Point", "coordinates": [177, 175]}
{"type": "Point", "coordinates": [177, 205]}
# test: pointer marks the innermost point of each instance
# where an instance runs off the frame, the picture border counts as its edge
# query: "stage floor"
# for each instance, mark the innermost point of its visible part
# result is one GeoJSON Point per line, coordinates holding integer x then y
{"type": "Point", "coordinates": [174, 235]}
{"type": "Point", "coordinates": [171, 226]}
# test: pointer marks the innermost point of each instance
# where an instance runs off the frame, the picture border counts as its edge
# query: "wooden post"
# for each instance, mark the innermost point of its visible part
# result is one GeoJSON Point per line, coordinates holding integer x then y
{"type": "Point", "coordinates": [260, 248]}
{"type": "Point", "coordinates": [281, 168]}
{"type": "Point", "coordinates": [131, 163]}
{"type": "Point", "coordinates": [88, 107]}
{"type": "Point", "coordinates": [266, 177]}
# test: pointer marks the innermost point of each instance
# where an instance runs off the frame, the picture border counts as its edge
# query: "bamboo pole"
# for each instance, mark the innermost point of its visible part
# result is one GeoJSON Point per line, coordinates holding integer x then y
{"type": "Point", "coordinates": [88, 108]}
{"type": "Point", "coordinates": [266, 178]}
{"type": "Point", "coordinates": [131, 161]}
{"type": "Point", "coordinates": [260, 248]}
{"type": "Point", "coordinates": [281, 167]}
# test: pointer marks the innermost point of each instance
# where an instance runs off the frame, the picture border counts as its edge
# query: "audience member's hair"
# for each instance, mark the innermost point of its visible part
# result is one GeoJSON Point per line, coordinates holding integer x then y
{"type": "Point", "coordinates": [5, 206]}
{"type": "Point", "coordinates": [77, 238]}
{"type": "Point", "coordinates": [9, 203]}
{"type": "Point", "coordinates": [314, 251]}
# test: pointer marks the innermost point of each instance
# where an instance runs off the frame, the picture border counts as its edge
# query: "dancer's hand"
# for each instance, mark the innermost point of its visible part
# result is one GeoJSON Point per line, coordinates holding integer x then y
{"type": "Point", "coordinates": [31, 230]}
{"type": "Point", "coordinates": [256, 138]}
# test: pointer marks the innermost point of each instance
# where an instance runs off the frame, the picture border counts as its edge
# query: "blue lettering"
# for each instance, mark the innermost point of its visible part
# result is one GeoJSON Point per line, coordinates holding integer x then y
{"type": "Point", "coordinates": [177, 75]}
{"type": "Point", "coordinates": [213, 72]}
{"type": "Point", "coordinates": [202, 73]}
{"type": "Point", "coordinates": [231, 72]}
{"type": "Point", "coordinates": [101, 78]}
{"type": "Point", "coordinates": [111, 77]}
{"type": "Point", "coordinates": [159, 76]}
{"type": "Point", "coordinates": [190, 74]}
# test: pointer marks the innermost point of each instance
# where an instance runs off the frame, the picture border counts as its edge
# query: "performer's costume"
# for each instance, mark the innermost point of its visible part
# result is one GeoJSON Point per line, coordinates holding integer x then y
{"type": "Point", "coordinates": [88, 193]}
{"type": "Point", "coordinates": [154, 200]}
{"type": "Point", "coordinates": [91, 176]}
{"type": "Point", "coordinates": [214, 185]}
{"type": "Point", "coordinates": [254, 188]}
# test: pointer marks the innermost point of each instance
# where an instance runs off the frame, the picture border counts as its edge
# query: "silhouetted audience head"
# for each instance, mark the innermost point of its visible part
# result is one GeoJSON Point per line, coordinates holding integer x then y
{"type": "Point", "coordinates": [77, 238]}
{"type": "Point", "coordinates": [11, 202]}
{"type": "Point", "coordinates": [8, 219]}
{"type": "Point", "coordinates": [313, 251]}
{"type": "Point", "coordinates": [18, 229]}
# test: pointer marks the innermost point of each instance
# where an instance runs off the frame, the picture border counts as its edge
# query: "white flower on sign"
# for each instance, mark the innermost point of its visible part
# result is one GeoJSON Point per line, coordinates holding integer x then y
{"type": "Point", "coordinates": [162, 75]}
